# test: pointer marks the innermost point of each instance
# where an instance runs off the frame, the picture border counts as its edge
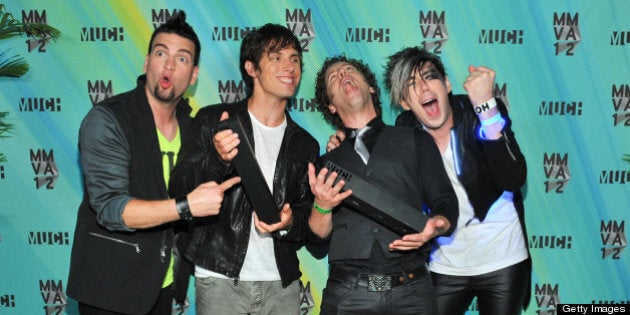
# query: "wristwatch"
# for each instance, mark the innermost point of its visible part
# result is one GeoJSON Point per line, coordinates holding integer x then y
{"type": "Point", "coordinates": [183, 209]}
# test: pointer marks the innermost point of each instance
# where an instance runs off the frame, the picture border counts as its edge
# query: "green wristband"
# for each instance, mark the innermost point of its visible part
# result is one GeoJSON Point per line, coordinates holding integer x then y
{"type": "Point", "coordinates": [320, 209]}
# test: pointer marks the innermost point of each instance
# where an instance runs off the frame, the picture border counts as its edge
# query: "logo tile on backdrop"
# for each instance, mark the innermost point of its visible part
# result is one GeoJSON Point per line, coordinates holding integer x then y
{"type": "Point", "coordinates": [557, 173]}
{"type": "Point", "coordinates": [614, 241]}
{"type": "Point", "coordinates": [99, 90]}
{"type": "Point", "coordinates": [53, 296]}
{"type": "Point", "coordinates": [566, 28]}
{"type": "Point", "coordinates": [621, 104]}
{"type": "Point", "coordinates": [433, 30]}
{"type": "Point", "coordinates": [33, 43]}
{"type": "Point", "coordinates": [547, 297]}
{"type": "Point", "coordinates": [301, 24]}
{"type": "Point", "coordinates": [44, 167]}
{"type": "Point", "coordinates": [231, 90]}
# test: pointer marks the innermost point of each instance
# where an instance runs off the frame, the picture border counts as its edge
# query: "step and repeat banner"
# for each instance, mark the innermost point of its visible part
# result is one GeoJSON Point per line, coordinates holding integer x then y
{"type": "Point", "coordinates": [563, 68]}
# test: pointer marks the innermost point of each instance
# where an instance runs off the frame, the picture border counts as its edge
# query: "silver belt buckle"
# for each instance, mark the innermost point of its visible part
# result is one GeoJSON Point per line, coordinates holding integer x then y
{"type": "Point", "coordinates": [379, 283]}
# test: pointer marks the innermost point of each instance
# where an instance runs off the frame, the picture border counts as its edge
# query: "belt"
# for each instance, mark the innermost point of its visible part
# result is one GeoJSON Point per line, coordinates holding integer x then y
{"type": "Point", "coordinates": [378, 282]}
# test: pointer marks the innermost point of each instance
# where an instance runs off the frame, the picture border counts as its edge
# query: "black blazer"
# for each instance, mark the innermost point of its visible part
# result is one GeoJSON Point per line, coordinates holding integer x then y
{"type": "Point", "coordinates": [123, 271]}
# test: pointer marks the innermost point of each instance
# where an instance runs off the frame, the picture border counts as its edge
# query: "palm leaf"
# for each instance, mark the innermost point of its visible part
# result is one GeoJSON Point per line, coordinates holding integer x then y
{"type": "Point", "coordinates": [39, 30]}
{"type": "Point", "coordinates": [4, 126]}
{"type": "Point", "coordinates": [13, 66]}
{"type": "Point", "coordinates": [10, 26]}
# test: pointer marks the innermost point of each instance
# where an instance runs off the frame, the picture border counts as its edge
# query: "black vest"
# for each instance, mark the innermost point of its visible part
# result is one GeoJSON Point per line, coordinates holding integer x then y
{"type": "Point", "coordinates": [392, 166]}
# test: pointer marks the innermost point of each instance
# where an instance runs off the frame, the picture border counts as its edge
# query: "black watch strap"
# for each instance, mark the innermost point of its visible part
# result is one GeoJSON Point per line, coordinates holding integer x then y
{"type": "Point", "coordinates": [183, 209]}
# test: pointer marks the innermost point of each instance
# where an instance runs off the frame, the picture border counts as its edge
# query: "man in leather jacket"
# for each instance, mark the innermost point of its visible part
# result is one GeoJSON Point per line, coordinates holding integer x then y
{"type": "Point", "coordinates": [487, 255]}
{"type": "Point", "coordinates": [242, 264]}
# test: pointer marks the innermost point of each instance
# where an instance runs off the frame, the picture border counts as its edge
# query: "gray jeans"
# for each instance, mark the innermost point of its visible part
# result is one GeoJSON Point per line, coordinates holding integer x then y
{"type": "Point", "coordinates": [221, 296]}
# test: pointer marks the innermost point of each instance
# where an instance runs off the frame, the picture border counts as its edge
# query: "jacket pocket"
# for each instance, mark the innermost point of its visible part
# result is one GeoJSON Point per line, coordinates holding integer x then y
{"type": "Point", "coordinates": [119, 241]}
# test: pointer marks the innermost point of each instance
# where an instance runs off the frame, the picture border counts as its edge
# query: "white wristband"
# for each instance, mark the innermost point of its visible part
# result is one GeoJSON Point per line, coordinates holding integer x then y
{"type": "Point", "coordinates": [492, 103]}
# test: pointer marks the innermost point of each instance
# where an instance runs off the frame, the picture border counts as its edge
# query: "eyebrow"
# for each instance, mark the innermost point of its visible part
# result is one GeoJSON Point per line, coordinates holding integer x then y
{"type": "Point", "coordinates": [179, 50]}
{"type": "Point", "coordinates": [292, 55]}
{"type": "Point", "coordinates": [279, 51]}
{"type": "Point", "coordinates": [331, 72]}
{"type": "Point", "coordinates": [329, 75]}
{"type": "Point", "coordinates": [428, 70]}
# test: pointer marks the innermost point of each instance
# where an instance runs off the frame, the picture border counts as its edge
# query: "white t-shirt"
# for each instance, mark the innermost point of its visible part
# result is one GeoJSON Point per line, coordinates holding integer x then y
{"type": "Point", "coordinates": [260, 262]}
{"type": "Point", "coordinates": [475, 247]}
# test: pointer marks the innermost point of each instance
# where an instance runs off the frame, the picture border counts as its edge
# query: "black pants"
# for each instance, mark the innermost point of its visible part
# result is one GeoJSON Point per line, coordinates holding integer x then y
{"type": "Point", "coordinates": [163, 305]}
{"type": "Point", "coordinates": [343, 297]}
{"type": "Point", "coordinates": [499, 292]}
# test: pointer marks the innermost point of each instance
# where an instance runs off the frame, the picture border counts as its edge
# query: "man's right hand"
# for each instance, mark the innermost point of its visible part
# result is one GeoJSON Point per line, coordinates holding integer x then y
{"type": "Point", "coordinates": [206, 199]}
{"type": "Point", "coordinates": [327, 194]}
{"type": "Point", "coordinates": [226, 141]}
{"type": "Point", "coordinates": [327, 197]}
{"type": "Point", "coordinates": [335, 140]}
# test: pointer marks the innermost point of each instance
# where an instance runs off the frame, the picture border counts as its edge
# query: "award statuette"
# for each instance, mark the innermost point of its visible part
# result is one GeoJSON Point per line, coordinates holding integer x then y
{"type": "Point", "coordinates": [252, 177]}
{"type": "Point", "coordinates": [378, 204]}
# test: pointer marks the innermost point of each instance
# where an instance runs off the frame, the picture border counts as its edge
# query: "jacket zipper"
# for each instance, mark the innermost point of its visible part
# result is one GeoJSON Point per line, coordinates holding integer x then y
{"type": "Point", "coordinates": [455, 152]}
{"type": "Point", "coordinates": [507, 145]}
{"type": "Point", "coordinates": [163, 249]}
{"type": "Point", "coordinates": [135, 245]}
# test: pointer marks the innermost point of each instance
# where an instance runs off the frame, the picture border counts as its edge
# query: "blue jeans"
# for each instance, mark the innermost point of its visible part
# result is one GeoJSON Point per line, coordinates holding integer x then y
{"type": "Point", "coordinates": [222, 296]}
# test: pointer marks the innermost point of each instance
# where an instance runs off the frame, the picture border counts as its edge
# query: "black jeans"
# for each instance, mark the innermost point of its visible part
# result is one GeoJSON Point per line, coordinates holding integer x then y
{"type": "Point", "coordinates": [416, 297]}
{"type": "Point", "coordinates": [499, 292]}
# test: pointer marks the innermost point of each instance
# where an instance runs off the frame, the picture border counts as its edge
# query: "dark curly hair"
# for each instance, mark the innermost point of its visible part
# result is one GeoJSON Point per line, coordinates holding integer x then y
{"type": "Point", "coordinates": [401, 65]}
{"type": "Point", "coordinates": [177, 25]}
{"type": "Point", "coordinates": [265, 39]}
{"type": "Point", "coordinates": [321, 95]}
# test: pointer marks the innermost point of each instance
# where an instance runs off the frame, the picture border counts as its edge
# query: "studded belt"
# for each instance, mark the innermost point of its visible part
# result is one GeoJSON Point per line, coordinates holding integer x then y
{"type": "Point", "coordinates": [376, 282]}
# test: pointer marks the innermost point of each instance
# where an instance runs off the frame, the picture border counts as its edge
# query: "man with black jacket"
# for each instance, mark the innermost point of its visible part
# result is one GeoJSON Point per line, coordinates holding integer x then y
{"type": "Point", "coordinates": [486, 256]}
{"type": "Point", "coordinates": [374, 270]}
{"type": "Point", "coordinates": [242, 264]}
{"type": "Point", "coordinates": [122, 260]}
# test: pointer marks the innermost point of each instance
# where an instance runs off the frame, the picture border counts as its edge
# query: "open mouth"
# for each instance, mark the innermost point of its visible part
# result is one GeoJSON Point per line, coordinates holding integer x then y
{"type": "Point", "coordinates": [165, 82]}
{"type": "Point", "coordinates": [347, 85]}
{"type": "Point", "coordinates": [431, 106]}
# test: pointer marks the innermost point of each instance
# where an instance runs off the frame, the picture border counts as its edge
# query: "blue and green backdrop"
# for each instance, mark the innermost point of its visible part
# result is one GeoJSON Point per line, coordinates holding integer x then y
{"type": "Point", "coordinates": [563, 67]}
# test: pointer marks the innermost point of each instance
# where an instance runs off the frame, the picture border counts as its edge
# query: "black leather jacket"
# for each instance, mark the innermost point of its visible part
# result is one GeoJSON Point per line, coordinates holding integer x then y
{"type": "Point", "coordinates": [488, 167]}
{"type": "Point", "coordinates": [219, 243]}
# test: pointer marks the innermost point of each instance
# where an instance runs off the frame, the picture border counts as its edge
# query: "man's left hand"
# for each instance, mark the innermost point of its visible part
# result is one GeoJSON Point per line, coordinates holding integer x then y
{"type": "Point", "coordinates": [286, 218]}
{"type": "Point", "coordinates": [435, 226]}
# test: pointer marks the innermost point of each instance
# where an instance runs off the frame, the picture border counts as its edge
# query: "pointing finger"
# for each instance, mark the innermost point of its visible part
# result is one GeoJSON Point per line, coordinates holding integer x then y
{"type": "Point", "coordinates": [230, 182]}
{"type": "Point", "coordinates": [224, 116]}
